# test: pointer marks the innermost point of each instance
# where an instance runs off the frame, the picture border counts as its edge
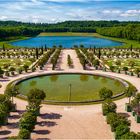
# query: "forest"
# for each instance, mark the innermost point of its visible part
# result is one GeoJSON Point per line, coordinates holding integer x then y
{"type": "Point", "coordinates": [128, 30]}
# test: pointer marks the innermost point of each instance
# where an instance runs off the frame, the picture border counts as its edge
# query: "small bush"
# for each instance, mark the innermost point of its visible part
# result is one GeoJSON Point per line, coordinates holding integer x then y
{"type": "Point", "coordinates": [121, 130]}
{"type": "Point", "coordinates": [27, 121]}
{"type": "Point", "coordinates": [108, 107]}
{"type": "Point", "coordinates": [24, 134]}
{"type": "Point", "coordinates": [105, 93]}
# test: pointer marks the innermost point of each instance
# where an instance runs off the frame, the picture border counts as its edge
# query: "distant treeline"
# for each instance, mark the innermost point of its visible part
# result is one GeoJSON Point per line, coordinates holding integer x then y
{"type": "Point", "coordinates": [129, 30]}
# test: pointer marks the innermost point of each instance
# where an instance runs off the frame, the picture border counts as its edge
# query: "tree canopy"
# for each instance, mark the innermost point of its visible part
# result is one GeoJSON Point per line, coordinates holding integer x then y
{"type": "Point", "coordinates": [129, 30]}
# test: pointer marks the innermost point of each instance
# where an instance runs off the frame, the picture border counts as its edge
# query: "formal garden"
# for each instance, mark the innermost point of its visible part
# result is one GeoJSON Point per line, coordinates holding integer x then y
{"type": "Point", "coordinates": [116, 60]}
{"type": "Point", "coordinates": [42, 82]}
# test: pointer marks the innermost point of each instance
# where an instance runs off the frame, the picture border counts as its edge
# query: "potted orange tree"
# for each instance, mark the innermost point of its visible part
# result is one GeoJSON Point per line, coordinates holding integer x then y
{"type": "Point", "coordinates": [129, 92]}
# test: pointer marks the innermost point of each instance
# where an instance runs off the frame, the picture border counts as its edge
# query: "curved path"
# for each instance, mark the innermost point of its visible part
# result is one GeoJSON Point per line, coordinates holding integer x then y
{"type": "Point", "coordinates": [74, 122]}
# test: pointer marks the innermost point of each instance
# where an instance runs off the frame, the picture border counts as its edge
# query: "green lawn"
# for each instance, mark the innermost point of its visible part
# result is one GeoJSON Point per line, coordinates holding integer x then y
{"type": "Point", "coordinates": [127, 43]}
{"type": "Point", "coordinates": [124, 62]}
{"type": "Point", "coordinates": [66, 34]}
{"type": "Point", "coordinates": [16, 62]}
{"type": "Point", "coordinates": [7, 43]}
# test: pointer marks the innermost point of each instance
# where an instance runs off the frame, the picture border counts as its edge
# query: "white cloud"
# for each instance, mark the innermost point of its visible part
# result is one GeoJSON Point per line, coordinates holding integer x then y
{"type": "Point", "coordinates": [49, 11]}
{"type": "Point", "coordinates": [3, 17]}
{"type": "Point", "coordinates": [111, 11]}
{"type": "Point", "coordinates": [131, 13]}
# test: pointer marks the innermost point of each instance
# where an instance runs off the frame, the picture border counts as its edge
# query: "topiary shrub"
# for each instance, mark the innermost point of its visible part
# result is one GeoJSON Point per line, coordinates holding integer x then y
{"type": "Point", "coordinates": [108, 107]}
{"type": "Point", "coordinates": [105, 93]}
{"type": "Point", "coordinates": [27, 121]}
{"type": "Point", "coordinates": [120, 120]}
{"type": "Point", "coordinates": [5, 102]}
{"type": "Point", "coordinates": [33, 69]}
{"type": "Point", "coordinates": [129, 135]}
{"type": "Point", "coordinates": [3, 117]}
{"type": "Point", "coordinates": [24, 134]}
{"type": "Point", "coordinates": [111, 117]}
{"type": "Point", "coordinates": [36, 96]}
{"type": "Point", "coordinates": [121, 130]}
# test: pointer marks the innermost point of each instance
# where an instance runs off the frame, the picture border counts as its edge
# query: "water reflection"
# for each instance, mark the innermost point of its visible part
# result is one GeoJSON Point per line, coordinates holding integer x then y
{"type": "Point", "coordinates": [95, 77]}
{"type": "Point", "coordinates": [84, 77]}
{"type": "Point", "coordinates": [41, 77]}
{"type": "Point", "coordinates": [104, 80]}
{"type": "Point", "coordinates": [33, 83]}
{"type": "Point", "coordinates": [117, 83]}
{"type": "Point", "coordinates": [54, 78]}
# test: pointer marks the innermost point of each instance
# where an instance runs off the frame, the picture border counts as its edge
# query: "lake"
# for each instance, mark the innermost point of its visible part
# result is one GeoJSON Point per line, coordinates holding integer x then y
{"type": "Point", "coordinates": [66, 41]}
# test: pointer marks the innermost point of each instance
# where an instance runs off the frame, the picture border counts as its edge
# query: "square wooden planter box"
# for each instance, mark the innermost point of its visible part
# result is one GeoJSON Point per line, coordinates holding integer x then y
{"type": "Point", "coordinates": [133, 113]}
{"type": "Point", "coordinates": [14, 107]}
{"type": "Point", "coordinates": [128, 107]}
{"type": "Point", "coordinates": [137, 118]}
{"type": "Point", "coordinates": [4, 121]}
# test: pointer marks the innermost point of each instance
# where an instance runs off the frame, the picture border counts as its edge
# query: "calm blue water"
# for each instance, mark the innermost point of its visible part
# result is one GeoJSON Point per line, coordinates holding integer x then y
{"type": "Point", "coordinates": [66, 41]}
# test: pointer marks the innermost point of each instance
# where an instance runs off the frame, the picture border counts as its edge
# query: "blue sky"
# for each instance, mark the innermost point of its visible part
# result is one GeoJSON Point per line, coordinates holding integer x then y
{"type": "Point", "coordinates": [51, 11]}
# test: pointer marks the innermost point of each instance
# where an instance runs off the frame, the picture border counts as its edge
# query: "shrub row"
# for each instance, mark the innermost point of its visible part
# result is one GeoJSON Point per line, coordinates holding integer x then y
{"type": "Point", "coordinates": [81, 57]}
{"type": "Point", "coordinates": [29, 118]}
{"type": "Point", "coordinates": [69, 61]}
{"type": "Point", "coordinates": [42, 61]}
{"type": "Point", "coordinates": [119, 124]}
{"type": "Point", "coordinates": [5, 108]}
{"type": "Point", "coordinates": [55, 57]}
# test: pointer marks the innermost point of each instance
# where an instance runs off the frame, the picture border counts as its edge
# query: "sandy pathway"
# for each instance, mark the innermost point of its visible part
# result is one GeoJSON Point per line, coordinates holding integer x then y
{"type": "Point", "coordinates": [76, 62]}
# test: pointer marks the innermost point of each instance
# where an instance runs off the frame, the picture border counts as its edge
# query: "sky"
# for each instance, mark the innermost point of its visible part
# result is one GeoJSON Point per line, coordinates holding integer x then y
{"type": "Point", "coordinates": [52, 11]}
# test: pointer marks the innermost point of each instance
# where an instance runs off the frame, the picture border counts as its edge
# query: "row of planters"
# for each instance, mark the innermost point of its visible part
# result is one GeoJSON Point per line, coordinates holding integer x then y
{"type": "Point", "coordinates": [89, 54]}
{"type": "Point", "coordinates": [7, 104]}
{"type": "Point", "coordinates": [131, 70]}
{"type": "Point", "coordinates": [81, 57]}
{"type": "Point", "coordinates": [111, 52]}
{"type": "Point", "coordinates": [55, 58]}
{"type": "Point", "coordinates": [22, 52]}
{"type": "Point", "coordinates": [43, 60]}
{"type": "Point", "coordinates": [5, 109]}
{"type": "Point", "coordinates": [134, 103]}
{"type": "Point", "coordinates": [29, 118]}
{"type": "Point", "coordinates": [12, 71]}
{"type": "Point", "coordinates": [69, 61]}
{"type": "Point", "coordinates": [119, 124]}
